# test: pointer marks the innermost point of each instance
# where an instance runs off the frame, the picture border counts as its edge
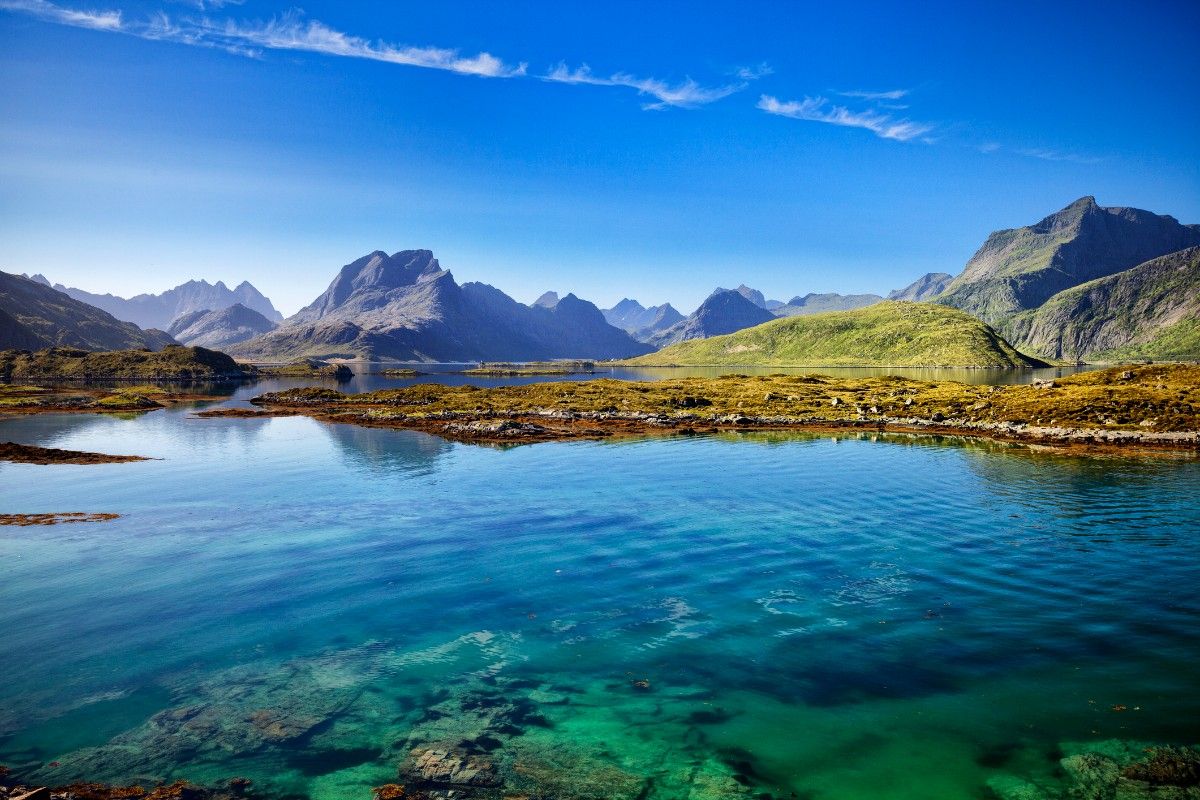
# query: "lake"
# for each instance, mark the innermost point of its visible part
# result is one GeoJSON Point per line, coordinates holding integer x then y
{"type": "Point", "coordinates": [781, 615]}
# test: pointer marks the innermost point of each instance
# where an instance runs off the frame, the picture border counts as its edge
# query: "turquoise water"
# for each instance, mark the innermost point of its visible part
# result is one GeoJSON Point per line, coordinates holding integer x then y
{"type": "Point", "coordinates": [304, 604]}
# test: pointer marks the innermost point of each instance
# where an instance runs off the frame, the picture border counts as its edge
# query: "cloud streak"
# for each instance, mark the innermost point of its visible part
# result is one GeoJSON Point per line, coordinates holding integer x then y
{"type": "Point", "coordinates": [819, 109]}
{"type": "Point", "coordinates": [292, 32]}
{"type": "Point", "coordinates": [686, 94]}
{"type": "Point", "coordinates": [894, 94]}
{"type": "Point", "coordinates": [51, 12]}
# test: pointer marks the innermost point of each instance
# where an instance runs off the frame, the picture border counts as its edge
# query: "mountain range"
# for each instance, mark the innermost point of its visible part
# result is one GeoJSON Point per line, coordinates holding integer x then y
{"type": "Point", "coordinates": [34, 316]}
{"type": "Point", "coordinates": [405, 307]}
{"type": "Point", "coordinates": [1087, 282]}
{"type": "Point", "coordinates": [161, 310]}
{"type": "Point", "coordinates": [640, 321]}
{"type": "Point", "coordinates": [1035, 284]}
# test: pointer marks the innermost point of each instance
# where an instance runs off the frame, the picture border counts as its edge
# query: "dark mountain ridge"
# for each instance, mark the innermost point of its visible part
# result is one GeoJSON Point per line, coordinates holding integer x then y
{"type": "Point", "coordinates": [35, 316]}
{"type": "Point", "coordinates": [723, 311]}
{"type": "Point", "coordinates": [1021, 268]}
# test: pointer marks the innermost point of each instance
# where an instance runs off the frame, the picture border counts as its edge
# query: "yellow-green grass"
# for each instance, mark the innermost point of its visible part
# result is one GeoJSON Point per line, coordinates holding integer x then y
{"type": "Point", "coordinates": [892, 334]}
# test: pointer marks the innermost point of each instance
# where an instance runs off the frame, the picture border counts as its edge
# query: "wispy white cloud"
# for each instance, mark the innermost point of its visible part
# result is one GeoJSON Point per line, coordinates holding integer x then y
{"type": "Point", "coordinates": [1046, 154]}
{"type": "Point", "coordinates": [894, 94]}
{"type": "Point", "coordinates": [293, 32]}
{"type": "Point", "coordinates": [754, 73]}
{"type": "Point", "coordinates": [685, 94]}
{"type": "Point", "coordinates": [205, 5]}
{"type": "Point", "coordinates": [52, 12]}
{"type": "Point", "coordinates": [818, 109]}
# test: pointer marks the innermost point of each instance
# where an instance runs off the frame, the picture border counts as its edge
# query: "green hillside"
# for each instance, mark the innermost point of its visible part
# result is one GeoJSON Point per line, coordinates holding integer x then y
{"type": "Point", "coordinates": [896, 334]}
{"type": "Point", "coordinates": [1148, 311]}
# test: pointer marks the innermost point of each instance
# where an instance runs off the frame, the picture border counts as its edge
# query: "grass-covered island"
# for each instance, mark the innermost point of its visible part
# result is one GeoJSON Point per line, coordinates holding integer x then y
{"type": "Point", "coordinates": [504, 369]}
{"type": "Point", "coordinates": [1154, 405]}
{"type": "Point", "coordinates": [174, 362]}
{"type": "Point", "coordinates": [307, 368]}
{"type": "Point", "coordinates": [888, 334]}
{"type": "Point", "coordinates": [27, 399]}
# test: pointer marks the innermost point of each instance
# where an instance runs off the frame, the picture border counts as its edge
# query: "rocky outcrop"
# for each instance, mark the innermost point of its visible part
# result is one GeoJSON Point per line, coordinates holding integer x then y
{"type": "Point", "coordinates": [1118, 312]}
{"type": "Point", "coordinates": [404, 306]}
{"type": "Point", "coordinates": [1111, 770]}
{"type": "Point", "coordinates": [34, 316]}
{"type": "Point", "coordinates": [724, 311]}
{"type": "Point", "coordinates": [160, 310]}
{"type": "Point", "coordinates": [221, 328]}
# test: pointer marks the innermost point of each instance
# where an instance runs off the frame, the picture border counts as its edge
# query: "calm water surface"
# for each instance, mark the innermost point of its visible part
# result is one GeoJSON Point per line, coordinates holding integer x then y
{"type": "Point", "coordinates": [303, 604]}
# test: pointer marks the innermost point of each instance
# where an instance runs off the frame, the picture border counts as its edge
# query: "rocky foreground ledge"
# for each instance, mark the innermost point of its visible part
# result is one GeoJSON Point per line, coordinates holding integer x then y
{"type": "Point", "coordinates": [1151, 406]}
{"type": "Point", "coordinates": [1105, 770]}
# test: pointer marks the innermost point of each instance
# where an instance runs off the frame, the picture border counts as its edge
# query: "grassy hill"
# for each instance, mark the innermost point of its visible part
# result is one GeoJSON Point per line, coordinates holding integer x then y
{"type": "Point", "coordinates": [894, 334]}
{"type": "Point", "coordinates": [174, 361]}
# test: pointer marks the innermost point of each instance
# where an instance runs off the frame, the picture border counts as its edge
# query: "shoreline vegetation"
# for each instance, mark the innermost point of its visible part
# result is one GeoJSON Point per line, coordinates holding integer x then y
{"type": "Point", "coordinates": [1154, 406]}
{"type": "Point", "coordinates": [28, 399]}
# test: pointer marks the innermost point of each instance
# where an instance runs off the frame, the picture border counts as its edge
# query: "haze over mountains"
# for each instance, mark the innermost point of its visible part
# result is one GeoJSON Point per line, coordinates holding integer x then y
{"type": "Point", "coordinates": [1086, 282]}
{"type": "Point", "coordinates": [161, 310]}
{"type": "Point", "coordinates": [640, 321]}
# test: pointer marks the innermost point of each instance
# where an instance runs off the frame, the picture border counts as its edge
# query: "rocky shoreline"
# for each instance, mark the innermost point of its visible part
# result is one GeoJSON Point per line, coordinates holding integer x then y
{"type": "Point", "coordinates": [1147, 408]}
{"type": "Point", "coordinates": [32, 454]}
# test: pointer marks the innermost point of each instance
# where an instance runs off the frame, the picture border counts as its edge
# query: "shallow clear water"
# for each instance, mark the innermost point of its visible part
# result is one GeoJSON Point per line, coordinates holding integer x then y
{"type": "Point", "coordinates": [838, 618]}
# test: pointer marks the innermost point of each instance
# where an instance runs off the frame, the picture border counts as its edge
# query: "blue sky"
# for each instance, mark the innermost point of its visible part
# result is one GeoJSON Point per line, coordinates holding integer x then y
{"type": "Point", "coordinates": [616, 149]}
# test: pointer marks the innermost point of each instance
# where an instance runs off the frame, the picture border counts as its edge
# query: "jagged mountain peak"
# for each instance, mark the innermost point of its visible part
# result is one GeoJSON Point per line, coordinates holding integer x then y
{"type": "Point", "coordinates": [1018, 269]}
{"type": "Point", "coordinates": [405, 306]}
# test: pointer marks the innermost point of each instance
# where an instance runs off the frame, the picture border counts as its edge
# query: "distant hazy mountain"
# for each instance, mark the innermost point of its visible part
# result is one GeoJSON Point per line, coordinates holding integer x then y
{"type": "Point", "coordinates": [34, 316]}
{"type": "Point", "coordinates": [643, 323]}
{"type": "Point", "coordinates": [885, 334]}
{"type": "Point", "coordinates": [160, 310]}
{"type": "Point", "coordinates": [925, 287]}
{"type": "Point", "coordinates": [724, 311]}
{"type": "Point", "coordinates": [406, 307]}
{"type": "Point", "coordinates": [1152, 310]}
{"type": "Point", "coordinates": [219, 329]}
{"type": "Point", "coordinates": [1020, 270]}
{"type": "Point", "coordinates": [820, 303]}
